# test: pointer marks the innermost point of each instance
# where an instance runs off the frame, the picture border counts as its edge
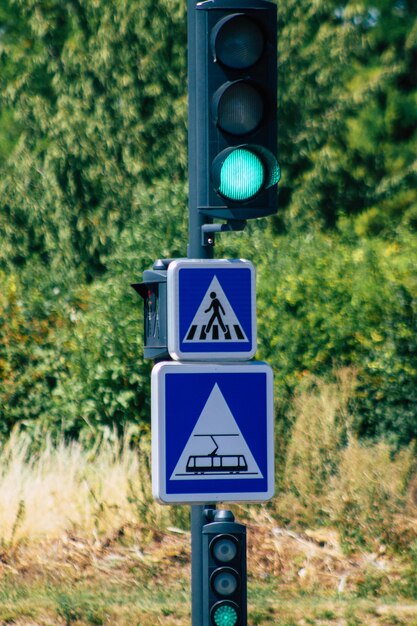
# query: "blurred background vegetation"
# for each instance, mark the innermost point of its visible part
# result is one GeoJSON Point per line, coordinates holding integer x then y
{"type": "Point", "coordinates": [93, 189]}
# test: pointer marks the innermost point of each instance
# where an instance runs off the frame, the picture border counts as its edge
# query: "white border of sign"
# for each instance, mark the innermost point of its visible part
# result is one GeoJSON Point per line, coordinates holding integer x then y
{"type": "Point", "coordinates": [159, 443]}
{"type": "Point", "coordinates": [173, 313]}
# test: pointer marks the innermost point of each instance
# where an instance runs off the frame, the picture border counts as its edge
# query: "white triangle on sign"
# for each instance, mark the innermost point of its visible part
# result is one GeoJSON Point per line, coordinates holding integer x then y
{"type": "Point", "coordinates": [215, 319]}
{"type": "Point", "coordinates": [216, 447]}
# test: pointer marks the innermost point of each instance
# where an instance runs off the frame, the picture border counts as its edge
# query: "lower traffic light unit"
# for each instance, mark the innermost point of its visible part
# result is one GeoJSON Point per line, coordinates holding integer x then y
{"type": "Point", "coordinates": [224, 572]}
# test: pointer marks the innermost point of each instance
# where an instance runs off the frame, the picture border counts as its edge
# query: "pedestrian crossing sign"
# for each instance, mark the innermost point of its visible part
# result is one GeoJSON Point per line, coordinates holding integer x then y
{"type": "Point", "coordinates": [211, 309]}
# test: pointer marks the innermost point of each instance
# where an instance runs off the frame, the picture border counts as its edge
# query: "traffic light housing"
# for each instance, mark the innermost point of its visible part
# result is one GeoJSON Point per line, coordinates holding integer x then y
{"type": "Point", "coordinates": [224, 572]}
{"type": "Point", "coordinates": [233, 166]}
{"type": "Point", "coordinates": [153, 290]}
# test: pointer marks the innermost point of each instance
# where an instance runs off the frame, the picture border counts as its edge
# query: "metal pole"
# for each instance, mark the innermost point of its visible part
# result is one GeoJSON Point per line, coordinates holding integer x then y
{"type": "Point", "coordinates": [196, 247]}
{"type": "Point", "coordinates": [199, 517]}
{"type": "Point", "coordinates": [196, 250]}
{"type": "Point", "coordinates": [197, 521]}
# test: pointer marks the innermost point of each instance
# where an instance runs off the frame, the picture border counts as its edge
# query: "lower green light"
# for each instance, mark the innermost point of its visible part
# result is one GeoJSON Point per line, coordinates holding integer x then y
{"type": "Point", "coordinates": [241, 177]}
{"type": "Point", "coordinates": [225, 615]}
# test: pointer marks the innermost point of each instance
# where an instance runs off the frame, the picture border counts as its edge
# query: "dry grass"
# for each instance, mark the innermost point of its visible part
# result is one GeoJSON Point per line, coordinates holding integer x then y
{"type": "Point", "coordinates": [295, 579]}
{"type": "Point", "coordinates": [65, 488]}
{"type": "Point", "coordinates": [365, 491]}
{"type": "Point", "coordinates": [368, 498]}
{"type": "Point", "coordinates": [322, 423]}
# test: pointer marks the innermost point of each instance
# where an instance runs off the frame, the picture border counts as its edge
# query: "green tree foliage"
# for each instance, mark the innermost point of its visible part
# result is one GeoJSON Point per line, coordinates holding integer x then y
{"type": "Point", "coordinates": [98, 90]}
{"type": "Point", "coordinates": [382, 136]}
{"type": "Point", "coordinates": [326, 301]}
{"type": "Point", "coordinates": [12, 35]}
{"type": "Point", "coordinates": [71, 353]}
{"type": "Point", "coordinates": [93, 190]}
{"type": "Point", "coordinates": [31, 352]}
{"type": "Point", "coordinates": [348, 109]}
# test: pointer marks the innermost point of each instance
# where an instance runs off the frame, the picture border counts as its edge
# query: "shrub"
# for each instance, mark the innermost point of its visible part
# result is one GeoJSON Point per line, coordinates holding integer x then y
{"type": "Point", "coordinates": [326, 302]}
{"type": "Point", "coordinates": [368, 495]}
{"type": "Point", "coordinates": [321, 427]}
{"type": "Point", "coordinates": [332, 478]}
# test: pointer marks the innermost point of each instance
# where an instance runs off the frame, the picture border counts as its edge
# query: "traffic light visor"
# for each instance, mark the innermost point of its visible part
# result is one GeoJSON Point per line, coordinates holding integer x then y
{"type": "Point", "coordinates": [238, 41]}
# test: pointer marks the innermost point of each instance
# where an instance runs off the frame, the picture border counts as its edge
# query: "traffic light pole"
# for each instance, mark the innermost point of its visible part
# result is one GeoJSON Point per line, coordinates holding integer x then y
{"type": "Point", "coordinates": [196, 247]}
{"type": "Point", "coordinates": [200, 514]}
{"type": "Point", "coordinates": [196, 250]}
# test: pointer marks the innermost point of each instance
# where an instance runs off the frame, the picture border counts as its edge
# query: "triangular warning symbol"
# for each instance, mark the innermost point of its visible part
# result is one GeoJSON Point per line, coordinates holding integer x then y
{"type": "Point", "coordinates": [215, 319]}
{"type": "Point", "coordinates": [216, 447]}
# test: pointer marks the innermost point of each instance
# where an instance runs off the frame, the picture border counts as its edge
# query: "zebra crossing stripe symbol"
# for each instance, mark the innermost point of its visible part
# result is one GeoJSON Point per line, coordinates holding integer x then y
{"type": "Point", "coordinates": [215, 319]}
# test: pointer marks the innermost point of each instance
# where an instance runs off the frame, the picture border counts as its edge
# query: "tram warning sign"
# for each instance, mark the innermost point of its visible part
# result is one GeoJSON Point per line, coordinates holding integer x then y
{"type": "Point", "coordinates": [211, 310]}
{"type": "Point", "coordinates": [212, 432]}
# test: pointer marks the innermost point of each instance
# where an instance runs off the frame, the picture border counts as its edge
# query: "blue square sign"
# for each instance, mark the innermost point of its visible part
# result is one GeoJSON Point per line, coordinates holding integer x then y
{"type": "Point", "coordinates": [211, 310]}
{"type": "Point", "coordinates": [212, 432]}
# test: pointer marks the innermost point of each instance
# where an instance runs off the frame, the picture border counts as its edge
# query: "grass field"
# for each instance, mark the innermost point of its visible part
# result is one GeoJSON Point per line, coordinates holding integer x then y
{"type": "Point", "coordinates": [136, 575]}
{"type": "Point", "coordinates": [85, 604]}
{"type": "Point", "coordinates": [113, 582]}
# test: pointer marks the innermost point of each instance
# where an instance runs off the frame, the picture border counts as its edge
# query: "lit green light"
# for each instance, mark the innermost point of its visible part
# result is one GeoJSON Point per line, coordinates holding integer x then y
{"type": "Point", "coordinates": [242, 175]}
{"type": "Point", "coordinates": [225, 615]}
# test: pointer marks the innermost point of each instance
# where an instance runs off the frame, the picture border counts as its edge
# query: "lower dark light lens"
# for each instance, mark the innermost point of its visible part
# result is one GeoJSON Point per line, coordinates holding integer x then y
{"type": "Point", "coordinates": [225, 581]}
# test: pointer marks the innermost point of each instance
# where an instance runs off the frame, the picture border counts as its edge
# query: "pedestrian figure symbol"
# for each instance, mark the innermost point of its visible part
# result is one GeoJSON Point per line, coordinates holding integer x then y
{"type": "Point", "coordinates": [216, 307]}
{"type": "Point", "coordinates": [215, 319]}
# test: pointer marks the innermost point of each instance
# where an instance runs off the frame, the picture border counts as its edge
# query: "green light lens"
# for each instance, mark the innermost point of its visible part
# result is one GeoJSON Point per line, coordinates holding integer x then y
{"type": "Point", "coordinates": [242, 175]}
{"type": "Point", "coordinates": [225, 615]}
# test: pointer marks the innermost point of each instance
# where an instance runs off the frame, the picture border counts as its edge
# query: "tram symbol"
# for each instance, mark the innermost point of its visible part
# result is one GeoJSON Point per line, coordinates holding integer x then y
{"type": "Point", "coordinates": [214, 463]}
{"type": "Point", "coordinates": [216, 447]}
